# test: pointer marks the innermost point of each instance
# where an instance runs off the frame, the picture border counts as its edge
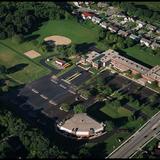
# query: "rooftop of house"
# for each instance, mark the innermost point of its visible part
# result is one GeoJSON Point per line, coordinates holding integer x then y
{"type": "Point", "coordinates": [86, 14]}
{"type": "Point", "coordinates": [81, 122]}
{"type": "Point", "coordinates": [145, 40]}
{"type": "Point", "coordinates": [134, 36]}
{"type": "Point", "coordinates": [124, 33]}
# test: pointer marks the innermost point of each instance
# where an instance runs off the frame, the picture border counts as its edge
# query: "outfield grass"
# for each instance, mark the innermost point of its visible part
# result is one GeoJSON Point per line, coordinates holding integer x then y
{"type": "Point", "coordinates": [116, 112]}
{"type": "Point", "coordinates": [30, 72]}
{"type": "Point", "coordinates": [70, 28]}
{"type": "Point", "coordinates": [143, 56]}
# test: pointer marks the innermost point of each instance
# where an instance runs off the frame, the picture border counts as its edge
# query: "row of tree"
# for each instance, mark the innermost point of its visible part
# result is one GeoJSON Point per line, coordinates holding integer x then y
{"type": "Point", "coordinates": [115, 41]}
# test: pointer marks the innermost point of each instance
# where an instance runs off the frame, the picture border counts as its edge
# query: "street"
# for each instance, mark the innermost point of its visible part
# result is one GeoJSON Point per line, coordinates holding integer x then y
{"type": "Point", "coordinates": [138, 139]}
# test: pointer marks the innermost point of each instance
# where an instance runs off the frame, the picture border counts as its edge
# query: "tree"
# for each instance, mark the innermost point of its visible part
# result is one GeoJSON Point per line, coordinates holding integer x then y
{"type": "Point", "coordinates": [2, 69]}
{"type": "Point", "coordinates": [137, 76]}
{"type": "Point", "coordinates": [65, 107]}
{"type": "Point", "coordinates": [79, 108]}
{"type": "Point", "coordinates": [72, 50]}
{"type": "Point", "coordinates": [84, 93]}
{"type": "Point", "coordinates": [18, 38]}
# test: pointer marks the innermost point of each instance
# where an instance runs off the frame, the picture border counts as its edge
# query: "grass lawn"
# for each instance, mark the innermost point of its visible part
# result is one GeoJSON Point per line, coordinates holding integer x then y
{"type": "Point", "coordinates": [143, 56]}
{"type": "Point", "coordinates": [112, 142]}
{"type": "Point", "coordinates": [149, 111]}
{"type": "Point", "coordinates": [116, 112]}
{"type": "Point", "coordinates": [70, 28]}
{"type": "Point", "coordinates": [28, 73]}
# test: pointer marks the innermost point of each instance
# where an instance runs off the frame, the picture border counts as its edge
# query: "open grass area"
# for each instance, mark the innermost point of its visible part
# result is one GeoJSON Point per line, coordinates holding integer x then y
{"type": "Point", "coordinates": [116, 112]}
{"type": "Point", "coordinates": [150, 111]}
{"type": "Point", "coordinates": [70, 28]}
{"type": "Point", "coordinates": [143, 56]}
{"type": "Point", "coordinates": [112, 142]}
{"type": "Point", "coordinates": [21, 69]}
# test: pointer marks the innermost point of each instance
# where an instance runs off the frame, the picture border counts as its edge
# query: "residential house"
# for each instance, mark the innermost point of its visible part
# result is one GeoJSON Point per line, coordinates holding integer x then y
{"type": "Point", "coordinates": [113, 29]}
{"type": "Point", "coordinates": [96, 19]}
{"type": "Point", "coordinates": [121, 15]}
{"type": "Point", "coordinates": [140, 23]}
{"type": "Point", "coordinates": [134, 37]}
{"type": "Point", "coordinates": [155, 45]}
{"type": "Point", "coordinates": [158, 31]}
{"type": "Point", "coordinates": [102, 4]}
{"type": "Point", "coordinates": [87, 15]}
{"type": "Point", "coordinates": [104, 25]}
{"type": "Point", "coordinates": [122, 33]}
{"type": "Point", "coordinates": [145, 42]}
{"type": "Point", "coordinates": [151, 27]}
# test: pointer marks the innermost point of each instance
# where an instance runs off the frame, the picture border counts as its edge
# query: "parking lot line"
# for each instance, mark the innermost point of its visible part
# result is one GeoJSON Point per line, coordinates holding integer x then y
{"type": "Point", "coordinates": [72, 92]}
{"type": "Point", "coordinates": [35, 91]}
{"type": "Point", "coordinates": [54, 81]}
{"type": "Point", "coordinates": [65, 81]}
{"type": "Point", "coordinates": [83, 97]}
{"type": "Point", "coordinates": [52, 102]}
{"type": "Point", "coordinates": [44, 97]}
{"type": "Point", "coordinates": [62, 86]}
{"type": "Point", "coordinates": [77, 75]}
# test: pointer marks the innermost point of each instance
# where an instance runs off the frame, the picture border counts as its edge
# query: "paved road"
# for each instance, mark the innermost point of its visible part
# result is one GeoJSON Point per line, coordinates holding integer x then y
{"type": "Point", "coordinates": [138, 140]}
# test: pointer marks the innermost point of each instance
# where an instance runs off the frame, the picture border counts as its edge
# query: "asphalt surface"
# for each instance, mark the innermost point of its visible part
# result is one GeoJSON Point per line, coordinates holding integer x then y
{"type": "Point", "coordinates": [46, 94]}
{"type": "Point", "coordinates": [137, 140]}
{"type": "Point", "coordinates": [84, 76]}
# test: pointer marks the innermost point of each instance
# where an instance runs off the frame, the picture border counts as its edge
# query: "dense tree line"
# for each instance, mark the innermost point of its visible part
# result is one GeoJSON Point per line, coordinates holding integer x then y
{"type": "Point", "coordinates": [115, 41]}
{"type": "Point", "coordinates": [143, 13]}
{"type": "Point", "coordinates": [25, 17]}
{"type": "Point", "coordinates": [36, 144]}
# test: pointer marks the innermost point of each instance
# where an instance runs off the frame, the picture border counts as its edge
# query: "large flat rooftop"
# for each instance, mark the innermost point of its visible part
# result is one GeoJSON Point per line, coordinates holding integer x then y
{"type": "Point", "coordinates": [82, 122]}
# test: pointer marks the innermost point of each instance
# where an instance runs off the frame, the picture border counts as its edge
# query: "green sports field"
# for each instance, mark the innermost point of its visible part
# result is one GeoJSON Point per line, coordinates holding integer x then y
{"type": "Point", "coordinates": [30, 70]}
{"type": "Point", "coordinates": [69, 28]}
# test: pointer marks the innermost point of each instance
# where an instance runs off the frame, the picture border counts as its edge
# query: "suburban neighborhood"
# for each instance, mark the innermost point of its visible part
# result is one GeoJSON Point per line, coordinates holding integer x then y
{"type": "Point", "coordinates": [79, 80]}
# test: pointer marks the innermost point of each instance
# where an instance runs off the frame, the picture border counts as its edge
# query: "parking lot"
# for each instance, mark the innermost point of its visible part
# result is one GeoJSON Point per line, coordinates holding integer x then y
{"type": "Point", "coordinates": [76, 76]}
{"type": "Point", "coordinates": [47, 94]}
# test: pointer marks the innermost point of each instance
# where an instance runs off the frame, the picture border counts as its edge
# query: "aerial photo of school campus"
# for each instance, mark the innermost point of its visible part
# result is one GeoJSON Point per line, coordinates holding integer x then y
{"type": "Point", "coordinates": [79, 79]}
